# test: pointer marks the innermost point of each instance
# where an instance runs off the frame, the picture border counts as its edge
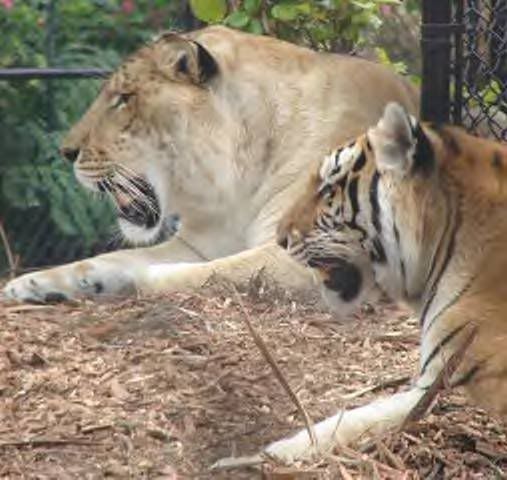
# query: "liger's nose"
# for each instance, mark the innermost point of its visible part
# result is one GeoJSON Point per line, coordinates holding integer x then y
{"type": "Point", "coordinates": [70, 154]}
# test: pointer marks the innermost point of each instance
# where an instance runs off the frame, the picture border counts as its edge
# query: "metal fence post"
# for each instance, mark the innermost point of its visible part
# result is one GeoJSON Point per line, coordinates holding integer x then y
{"type": "Point", "coordinates": [51, 115]}
{"type": "Point", "coordinates": [436, 60]}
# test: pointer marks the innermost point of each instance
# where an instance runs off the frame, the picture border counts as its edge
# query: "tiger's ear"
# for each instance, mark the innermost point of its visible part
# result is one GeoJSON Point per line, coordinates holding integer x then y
{"type": "Point", "coordinates": [185, 60]}
{"type": "Point", "coordinates": [392, 140]}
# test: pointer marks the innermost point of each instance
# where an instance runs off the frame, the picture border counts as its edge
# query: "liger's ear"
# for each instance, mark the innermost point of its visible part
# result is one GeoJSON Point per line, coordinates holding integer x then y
{"type": "Point", "coordinates": [184, 60]}
{"type": "Point", "coordinates": [392, 140]}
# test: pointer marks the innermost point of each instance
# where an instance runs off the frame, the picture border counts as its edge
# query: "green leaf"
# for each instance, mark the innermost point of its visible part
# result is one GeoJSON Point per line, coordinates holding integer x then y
{"type": "Point", "coordinates": [285, 12]}
{"type": "Point", "coordinates": [252, 7]}
{"type": "Point", "coordinates": [383, 57]}
{"type": "Point", "coordinates": [491, 93]}
{"type": "Point", "coordinates": [305, 8]}
{"type": "Point", "coordinates": [255, 26]}
{"type": "Point", "coordinates": [368, 5]}
{"type": "Point", "coordinates": [209, 11]}
{"type": "Point", "coordinates": [238, 19]}
{"type": "Point", "coordinates": [322, 33]}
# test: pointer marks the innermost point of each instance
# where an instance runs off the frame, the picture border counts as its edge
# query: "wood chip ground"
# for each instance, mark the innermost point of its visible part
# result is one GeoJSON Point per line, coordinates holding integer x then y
{"type": "Point", "coordinates": [162, 387]}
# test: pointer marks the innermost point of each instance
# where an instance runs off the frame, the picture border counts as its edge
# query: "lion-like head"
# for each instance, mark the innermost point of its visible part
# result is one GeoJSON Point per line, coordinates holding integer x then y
{"type": "Point", "coordinates": [156, 124]}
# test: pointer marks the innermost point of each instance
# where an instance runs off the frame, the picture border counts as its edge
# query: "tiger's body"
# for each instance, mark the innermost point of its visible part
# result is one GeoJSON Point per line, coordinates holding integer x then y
{"type": "Point", "coordinates": [419, 211]}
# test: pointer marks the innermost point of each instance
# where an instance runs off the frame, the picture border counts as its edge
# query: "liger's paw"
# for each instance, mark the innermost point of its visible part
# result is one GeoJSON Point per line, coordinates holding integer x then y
{"type": "Point", "coordinates": [34, 287]}
{"type": "Point", "coordinates": [39, 287]}
{"type": "Point", "coordinates": [73, 281]}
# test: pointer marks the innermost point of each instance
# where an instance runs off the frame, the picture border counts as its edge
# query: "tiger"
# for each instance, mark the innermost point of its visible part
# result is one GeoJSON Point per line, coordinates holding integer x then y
{"type": "Point", "coordinates": [417, 211]}
{"type": "Point", "coordinates": [218, 127]}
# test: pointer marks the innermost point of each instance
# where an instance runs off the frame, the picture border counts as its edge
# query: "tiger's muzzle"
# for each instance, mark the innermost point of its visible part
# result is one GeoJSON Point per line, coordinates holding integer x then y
{"type": "Point", "coordinates": [336, 274]}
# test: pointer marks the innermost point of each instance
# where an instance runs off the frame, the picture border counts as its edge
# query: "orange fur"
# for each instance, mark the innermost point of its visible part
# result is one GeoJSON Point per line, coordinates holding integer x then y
{"type": "Point", "coordinates": [469, 179]}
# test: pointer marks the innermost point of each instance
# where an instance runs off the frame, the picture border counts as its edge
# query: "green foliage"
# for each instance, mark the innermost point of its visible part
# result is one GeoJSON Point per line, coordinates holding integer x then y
{"type": "Point", "coordinates": [209, 10]}
{"type": "Point", "coordinates": [490, 94]}
{"type": "Point", "coordinates": [48, 184]}
{"type": "Point", "coordinates": [399, 67]}
{"type": "Point", "coordinates": [38, 192]}
{"type": "Point", "coordinates": [336, 25]}
{"type": "Point", "coordinates": [413, 5]}
{"type": "Point", "coordinates": [384, 58]}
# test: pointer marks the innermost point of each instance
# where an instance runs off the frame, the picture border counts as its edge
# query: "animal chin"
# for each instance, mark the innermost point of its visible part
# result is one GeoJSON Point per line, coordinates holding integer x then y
{"type": "Point", "coordinates": [139, 214]}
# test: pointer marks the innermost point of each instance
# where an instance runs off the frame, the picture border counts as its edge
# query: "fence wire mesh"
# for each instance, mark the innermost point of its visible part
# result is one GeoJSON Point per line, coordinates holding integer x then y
{"type": "Point", "coordinates": [46, 216]}
{"type": "Point", "coordinates": [482, 67]}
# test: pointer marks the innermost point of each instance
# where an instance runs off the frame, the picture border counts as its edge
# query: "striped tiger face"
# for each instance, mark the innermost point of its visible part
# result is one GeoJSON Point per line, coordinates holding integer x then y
{"type": "Point", "coordinates": [347, 224]}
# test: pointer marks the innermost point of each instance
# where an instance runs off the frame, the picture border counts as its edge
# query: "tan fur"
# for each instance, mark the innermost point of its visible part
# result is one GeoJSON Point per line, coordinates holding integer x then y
{"type": "Point", "coordinates": [227, 155]}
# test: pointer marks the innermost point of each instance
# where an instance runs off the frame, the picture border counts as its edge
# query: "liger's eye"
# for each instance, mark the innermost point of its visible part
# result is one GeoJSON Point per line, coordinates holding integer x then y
{"type": "Point", "coordinates": [121, 99]}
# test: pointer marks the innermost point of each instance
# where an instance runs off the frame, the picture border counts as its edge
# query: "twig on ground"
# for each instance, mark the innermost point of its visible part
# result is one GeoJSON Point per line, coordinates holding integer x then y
{"type": "Point", "coordinates": [47, 442]}
{"type": "Point", "coordinates": [276, 369]}
{"type": "Point", "coordinates": [95, 428]}
{"type": "Point", "coordinates": [393, 382]}
{"type": "Point", "coordinates": [422, 406]}
{"type": "Point", "coordinates": [27, 308]}
{"type": "Point", "coordinates": [11, 260]}
{"type": "Point", "coordinates": [344, 472]}
{"type": "Point", "coordinates": [352, 457]}
{"type": "Point", "coordinates": [394, 460]}
{"type": "Point", "coordinates": [440, 381]}
{"type": "Point", "coordinates": [231, 463]}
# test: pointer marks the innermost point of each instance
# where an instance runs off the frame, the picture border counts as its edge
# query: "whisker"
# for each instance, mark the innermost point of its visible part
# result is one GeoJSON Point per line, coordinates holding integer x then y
{"type": "Point", "coordinates": [109, 188]}
{"type": "Point", "coordinates": [134, 189]}
{"type": "Point", "coordinates": [127, 171]}
{"type": "Point", "coordinates": [137, 196]}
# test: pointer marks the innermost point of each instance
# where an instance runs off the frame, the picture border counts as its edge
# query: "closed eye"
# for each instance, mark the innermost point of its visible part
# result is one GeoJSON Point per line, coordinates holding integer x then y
{"type": "Point", "coordinates": [325, 191]}
{"type": "Point", "coordinates": [121, 99]}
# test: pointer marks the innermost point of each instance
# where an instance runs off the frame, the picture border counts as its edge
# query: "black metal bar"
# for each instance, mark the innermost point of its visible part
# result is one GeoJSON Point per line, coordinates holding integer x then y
{"type": "Point", "coordinates": [51, 73]}
{"type": "Point", "coordinates": [436, 58]}
{"type": "Point", "coordinates": [499, 39]}
{"type": "Point", "coordinates": [51, 115]}
{"type": "Point", "coordinates": [458, 65]}
{"type": "Point", "coordinates": [442, 28]}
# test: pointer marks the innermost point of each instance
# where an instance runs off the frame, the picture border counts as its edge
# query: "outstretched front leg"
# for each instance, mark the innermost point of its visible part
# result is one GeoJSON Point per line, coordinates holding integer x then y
{"type": "Point", "coordinates": [165, 268]}
{"type": "Point", "coordinates": [116, 273]}
{"type": "Point", "coordinates": [346, 427]}
{"type": "Point", "coordinates": [386, 414]}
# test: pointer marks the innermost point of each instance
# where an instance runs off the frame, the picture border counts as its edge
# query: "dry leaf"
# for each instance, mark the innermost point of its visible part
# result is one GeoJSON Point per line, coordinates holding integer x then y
{"type": "Point", "coordinates": [118, 391]}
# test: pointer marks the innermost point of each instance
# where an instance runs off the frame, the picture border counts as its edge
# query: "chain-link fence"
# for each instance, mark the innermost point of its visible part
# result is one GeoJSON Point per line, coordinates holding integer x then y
{"type": "Point", "coordinates": [481, 104]}
{"type": "Point", "coordinates": [46, 214]}
{"type": "Point", "coordinates": [464, 46]}
{"type": "Point", "coordinates": [46, 217]}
